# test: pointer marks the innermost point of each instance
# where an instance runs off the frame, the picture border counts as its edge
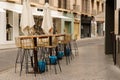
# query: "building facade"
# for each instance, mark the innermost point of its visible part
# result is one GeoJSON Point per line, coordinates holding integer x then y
{"type": "Point", "coordinates": [80, 13]}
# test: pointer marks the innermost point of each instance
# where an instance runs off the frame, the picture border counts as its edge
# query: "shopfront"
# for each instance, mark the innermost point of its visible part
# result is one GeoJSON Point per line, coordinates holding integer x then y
{"type": "Point", "coordinates": [85, 26]}
{"type": "Point", "coordinates": [67, 25]}
{"type": "Point", "coordinates": [100, 19]}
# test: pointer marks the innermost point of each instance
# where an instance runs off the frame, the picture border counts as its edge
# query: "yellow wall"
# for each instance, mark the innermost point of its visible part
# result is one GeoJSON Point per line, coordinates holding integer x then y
{"type": "Point", "coordinates": [58, 25]}
{"type": "Point", "coordinates": [76, 30]}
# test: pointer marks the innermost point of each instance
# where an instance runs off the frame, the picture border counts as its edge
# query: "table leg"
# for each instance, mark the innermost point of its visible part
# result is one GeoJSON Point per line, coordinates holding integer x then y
{"type": "Point", "coordinates": [50, 43]}
{"type": "Point", "coordinates": [35, 57]}
{"type": "Point", "coordinates": [35, 61]}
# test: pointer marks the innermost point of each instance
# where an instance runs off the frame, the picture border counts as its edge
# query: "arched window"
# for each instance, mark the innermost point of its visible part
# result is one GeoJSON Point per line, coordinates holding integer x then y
{"type": "Point", "coordinates": [59, 3]}
{"type": "Point", "coordinates": [46, 1]}
{"type": "Point", "coordinates": [92, 4]}
{"type": "Point", "coordinates": [98, 4]}
{"type": "Point", "coordinates": [102, 7]}
{"type": "Point", "coordinates": [85, 6]}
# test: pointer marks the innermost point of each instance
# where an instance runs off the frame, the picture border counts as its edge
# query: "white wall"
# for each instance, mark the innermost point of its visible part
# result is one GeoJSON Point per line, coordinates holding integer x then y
{"type": "Point", "coordinates": [2, 27]}
{"type": "Point", "coordinates": [118, 4]}
{"type": "Point", "coordinates": [13, 20]}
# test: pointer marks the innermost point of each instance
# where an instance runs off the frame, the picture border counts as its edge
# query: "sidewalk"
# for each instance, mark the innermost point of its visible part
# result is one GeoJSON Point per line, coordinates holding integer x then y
{"type": "Point", "coordinates": [7, 46]}
{"type": "Point", "coordinates": [91, 64]}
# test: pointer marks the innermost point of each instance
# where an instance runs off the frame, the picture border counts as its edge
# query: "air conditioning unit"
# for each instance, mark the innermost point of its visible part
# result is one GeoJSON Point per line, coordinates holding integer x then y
{"type": "Point", "coordinates": [117, 22]}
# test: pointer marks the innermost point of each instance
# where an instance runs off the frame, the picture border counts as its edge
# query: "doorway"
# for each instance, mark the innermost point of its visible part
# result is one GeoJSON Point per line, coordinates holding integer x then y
{"type": "Point", "coordinates": [67, 27]}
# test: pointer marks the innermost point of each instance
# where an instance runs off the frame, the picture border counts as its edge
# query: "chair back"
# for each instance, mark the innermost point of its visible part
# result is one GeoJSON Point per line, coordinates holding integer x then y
{"type": "Point", "coordinates": [42, 41]}
{"type": "Point", "coordinates": [45, 41]}
{"type": "Point", "coordinates": [27, 42]}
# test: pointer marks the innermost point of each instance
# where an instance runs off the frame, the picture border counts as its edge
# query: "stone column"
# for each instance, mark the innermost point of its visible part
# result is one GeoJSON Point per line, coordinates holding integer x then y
{"type": "Point", "coordinates": [62, 3]}
{"type": "Point", "coordinates": [68, 4]}
{"type": "Point", "coordinates": [80, 5]}
{"type": "Point", "coordinates": [95, 7]}
{"type": "Point", "coordinates": [71, 4]}
{"type": "Point", "coordinates": [90, 7]}
{"type": "Point", "coordinates": [55, 3]}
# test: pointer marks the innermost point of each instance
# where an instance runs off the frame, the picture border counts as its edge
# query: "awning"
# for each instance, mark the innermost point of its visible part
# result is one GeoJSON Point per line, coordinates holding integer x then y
{"type": "Point", "coordinates": [18, 9]}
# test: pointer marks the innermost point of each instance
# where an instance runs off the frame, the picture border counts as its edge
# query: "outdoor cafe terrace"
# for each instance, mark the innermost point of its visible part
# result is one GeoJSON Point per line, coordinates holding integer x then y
{"type": "Point", "coordinates": [37, 53]}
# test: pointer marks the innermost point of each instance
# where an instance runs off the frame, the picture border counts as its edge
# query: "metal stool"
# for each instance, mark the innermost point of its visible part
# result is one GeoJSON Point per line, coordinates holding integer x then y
{"type": "Point", "coordinates": [65, 40]}
{"type": "Point", "coordinates": [42, 52]}
{"type": "Point", "coordinates": [19, 53]}
{"type": "Point", "coordinates": [51, 48]}
{"type": "Point", "coordinates": [74, 47]}
{"type": "Point", "coordinates": [27, 44]}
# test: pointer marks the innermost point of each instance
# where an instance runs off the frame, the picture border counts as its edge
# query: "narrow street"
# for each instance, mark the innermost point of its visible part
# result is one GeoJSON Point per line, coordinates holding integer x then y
{"type": "Point", "coordinates": [90, 64]}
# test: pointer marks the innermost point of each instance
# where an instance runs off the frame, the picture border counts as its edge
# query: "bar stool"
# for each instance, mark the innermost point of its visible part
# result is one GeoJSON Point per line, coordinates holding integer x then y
{"type": "Point", "coordinates": [19, 51]}
{"type": "Point", "coordinates": [68, 52]}
{"type": "Point", "coordinates": [65, 40]}
{"type": "Point", "coordinates": [42, 41]}
{"type": "Point", "coordinates": [50, 45]}
{"type": "Point", "coordinates": [27, 44]}
{"type": "Point", "coordinates": [74, 47]}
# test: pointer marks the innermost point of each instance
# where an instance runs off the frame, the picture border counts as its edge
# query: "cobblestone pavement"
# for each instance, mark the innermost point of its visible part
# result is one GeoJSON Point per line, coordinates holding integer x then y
{"type": "Point", "coordinates": [90, 64]}
{"type": "Point", "coordinates": [7, 58]}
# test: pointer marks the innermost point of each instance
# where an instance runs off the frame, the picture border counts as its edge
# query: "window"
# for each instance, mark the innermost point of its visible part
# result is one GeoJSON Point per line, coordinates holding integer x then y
{"type": "Point", "coordinates": [85, 6]}
{"type": "Point", "coordinates": [98, 4]}
{"type": "Point", "coordinates": [92, 4]}
{"type": "Point", "coordinates": [62, 4]}
{"type": "Point", "coordinates": [46, 1]}
{"type": "Point", "coordinates": [65, 4]}
{"type": "Point", "coordinates": [9, 28]}
{"type": "Point", "coordinates": [102, 7]}
{"type": "Point", "coordinates": [59, 3]}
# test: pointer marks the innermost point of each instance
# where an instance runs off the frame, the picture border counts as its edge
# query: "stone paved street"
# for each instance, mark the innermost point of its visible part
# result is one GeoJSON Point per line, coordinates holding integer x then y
{"type": "Point", "coordinates": [91, 64]}
{"type": "Point", "coordinates": [7, 58]}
